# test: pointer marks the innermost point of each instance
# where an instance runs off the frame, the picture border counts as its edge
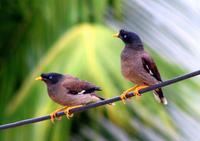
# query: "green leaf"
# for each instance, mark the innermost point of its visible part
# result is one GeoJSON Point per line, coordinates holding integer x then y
{"type": "Point", "coordinates": [90, 53]}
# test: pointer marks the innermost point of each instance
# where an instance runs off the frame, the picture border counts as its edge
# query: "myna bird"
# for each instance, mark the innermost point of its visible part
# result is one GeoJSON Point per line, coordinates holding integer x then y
{"type": "Point", "coordinates": [137, 66]}
{"type": "Point", "coordinates": [69, 91]}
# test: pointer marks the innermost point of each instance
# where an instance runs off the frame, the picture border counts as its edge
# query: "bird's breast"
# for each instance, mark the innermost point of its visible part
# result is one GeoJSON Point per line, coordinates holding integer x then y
{"type": "Point", "coordinates": [52, 92]}
{"type": "Point", "coordinates": [131, 65]}
{"type": "Point", "coordinates": [57, 94]}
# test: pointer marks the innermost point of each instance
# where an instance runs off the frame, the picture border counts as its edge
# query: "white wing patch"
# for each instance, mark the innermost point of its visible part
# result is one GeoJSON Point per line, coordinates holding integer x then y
{"type": "Point", "coordinates": [82, 92]}
{"type": "Point", "coordinates": [151, 73]}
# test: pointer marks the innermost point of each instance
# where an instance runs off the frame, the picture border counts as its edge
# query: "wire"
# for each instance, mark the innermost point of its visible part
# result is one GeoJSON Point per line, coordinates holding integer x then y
{"type": "Point", "coordinates": [103, 102]}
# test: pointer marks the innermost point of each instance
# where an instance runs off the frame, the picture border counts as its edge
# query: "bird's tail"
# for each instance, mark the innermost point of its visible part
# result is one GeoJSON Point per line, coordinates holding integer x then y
{"type": "Point", "coordinates": [158, 94]}
{"type": "Point", "coordinates": [101, 98]}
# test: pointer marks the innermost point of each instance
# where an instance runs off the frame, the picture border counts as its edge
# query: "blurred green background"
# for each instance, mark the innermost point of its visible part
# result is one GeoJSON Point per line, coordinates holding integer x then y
{"type": "Point", "coordinates": [75, 37]}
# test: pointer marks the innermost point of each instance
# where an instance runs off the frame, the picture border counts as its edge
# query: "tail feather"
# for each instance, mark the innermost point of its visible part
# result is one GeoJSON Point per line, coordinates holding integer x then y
{"type": "Point", "coordinates": [158, 94]}
{"type": "Point", "coordinates": [101, 98]}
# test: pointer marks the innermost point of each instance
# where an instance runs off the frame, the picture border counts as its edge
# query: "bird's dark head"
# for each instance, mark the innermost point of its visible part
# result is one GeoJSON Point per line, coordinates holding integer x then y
{"type": "Point", "coordinates": [128, 37]}
{"type": "Point", "coordinates": [50, 78]}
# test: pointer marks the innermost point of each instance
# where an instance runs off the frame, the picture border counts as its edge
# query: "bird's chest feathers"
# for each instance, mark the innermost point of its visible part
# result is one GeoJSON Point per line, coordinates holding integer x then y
{"type": "Point", "coordinates": [59, 94]}
{"type": "Point", "coordinates": [130, 62]}
{"type": "Point", "coordinates": [52, 92]}
{"type": "Point", "coordinates": [55, 93]}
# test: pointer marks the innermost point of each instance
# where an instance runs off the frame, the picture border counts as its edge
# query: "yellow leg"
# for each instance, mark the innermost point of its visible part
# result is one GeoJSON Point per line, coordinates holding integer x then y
{"type": "Point", "coordinates": [123, 96]}
{"type": "Point", "coordinates": [136, 93]}
{"type": "Point", "coordinates": [67, 111]}
{"type": "Point", "coordinates": [53, 114]}
{"type": "Point", "coordinates": [135, 89]}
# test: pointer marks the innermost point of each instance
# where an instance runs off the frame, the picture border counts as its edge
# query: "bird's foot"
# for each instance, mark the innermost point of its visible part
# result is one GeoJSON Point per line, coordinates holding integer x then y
{"type": "Point", "coordinates": [136, 90]}
{"type": "Point", "coordinates": [53, 115]}
{"type": "Point", "coordinates": [67, 111]}
{"type": "Point", "coordinates": [123, 96]}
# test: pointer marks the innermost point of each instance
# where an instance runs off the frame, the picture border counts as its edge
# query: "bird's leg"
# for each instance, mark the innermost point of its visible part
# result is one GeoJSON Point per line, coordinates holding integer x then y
{"type": "Point", "coordinates": [53, 114]}
{"type": "Point", "coordinates": [123, 96]}
{"type": "Point", "coordinates": [67, 111]}
{"type": "Point", "coordinates": [136, 93]}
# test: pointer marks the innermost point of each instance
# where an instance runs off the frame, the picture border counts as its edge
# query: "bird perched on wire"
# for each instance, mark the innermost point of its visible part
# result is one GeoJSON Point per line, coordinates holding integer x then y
{"type": "Point", "coordinates": [137, 66]}
{"type": "Point", "coordinates": [69, 91]}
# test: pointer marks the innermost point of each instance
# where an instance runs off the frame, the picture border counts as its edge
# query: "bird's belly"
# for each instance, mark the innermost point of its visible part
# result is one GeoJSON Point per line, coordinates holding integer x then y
{"type": "Point", "coordinates": [72, 100]}
{"type": "Point", "coordinates": [136, 74]}
{"type": "Point", "coordinates": [80, 99]}
{"type": "Point", "coordinates": [57, 95]}
{"type": "Point", "coordinates": [132, 72]}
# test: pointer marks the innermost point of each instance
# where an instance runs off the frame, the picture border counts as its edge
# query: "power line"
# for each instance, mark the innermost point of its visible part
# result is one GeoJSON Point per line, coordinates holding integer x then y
{"type": "Point", "coordinates": [93, 105]}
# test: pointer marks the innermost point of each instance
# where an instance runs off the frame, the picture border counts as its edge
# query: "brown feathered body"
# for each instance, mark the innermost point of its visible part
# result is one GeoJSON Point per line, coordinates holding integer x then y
{"type": "Point", "coordinates": [136, 64]}
{"type": "Point", "coordinates": [132, 67]}
{"type": "Point", "coordinates": [138, 67]}
{"type": "Point", "coordinates": [71, 91]}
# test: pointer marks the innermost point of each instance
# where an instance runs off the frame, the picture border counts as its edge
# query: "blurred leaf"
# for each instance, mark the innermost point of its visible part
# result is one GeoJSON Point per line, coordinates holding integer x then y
{"type": "Point", "coordinates": [89, 52]}
{"type": "Point", "coordinates": [29, 28]}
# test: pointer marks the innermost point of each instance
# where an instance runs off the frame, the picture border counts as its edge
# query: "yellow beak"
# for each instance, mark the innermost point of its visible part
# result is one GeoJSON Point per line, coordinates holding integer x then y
{"type": "Point", "coordinates": [116, 35]}
{"type": "Point", "coordinates": [38, 78]}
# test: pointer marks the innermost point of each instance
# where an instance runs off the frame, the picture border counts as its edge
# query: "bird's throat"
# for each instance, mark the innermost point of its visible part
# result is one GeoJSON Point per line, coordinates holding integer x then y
{"type": "Point", "coordinates": [135, 46]}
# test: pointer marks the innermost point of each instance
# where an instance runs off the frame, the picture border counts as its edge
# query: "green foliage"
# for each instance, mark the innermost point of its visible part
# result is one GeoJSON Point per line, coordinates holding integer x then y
{"type": "Point", "coordinates": [29, 28]}
{"type": "Point", "coordinates": [49, 36]}
{"type": "Point", "coordinates": [89, 52]}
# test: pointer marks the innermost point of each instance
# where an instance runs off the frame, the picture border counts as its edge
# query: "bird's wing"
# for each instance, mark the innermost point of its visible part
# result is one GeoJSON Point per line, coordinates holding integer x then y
{"type": "Point", "coordinates": [76, 86]}
{"type": "Point", "coordinates": [150, 66]}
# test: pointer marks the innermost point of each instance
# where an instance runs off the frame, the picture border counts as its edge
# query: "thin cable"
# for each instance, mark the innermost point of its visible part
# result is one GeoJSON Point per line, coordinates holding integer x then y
{"type": "Point", "coordinates": [111, 100]}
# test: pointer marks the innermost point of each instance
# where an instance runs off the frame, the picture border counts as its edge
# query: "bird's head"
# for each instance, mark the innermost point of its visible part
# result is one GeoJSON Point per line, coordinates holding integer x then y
{"type": "Point", "coordinates": [50, 78]}
{"type": "Point", "coordinates": [128, 37]}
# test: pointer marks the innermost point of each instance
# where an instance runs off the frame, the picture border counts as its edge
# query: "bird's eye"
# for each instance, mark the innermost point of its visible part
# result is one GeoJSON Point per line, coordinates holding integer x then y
{"type": "Point", "coordinates": [50, 77]}
{"type": "Point", "coordinates": [125, 36]}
